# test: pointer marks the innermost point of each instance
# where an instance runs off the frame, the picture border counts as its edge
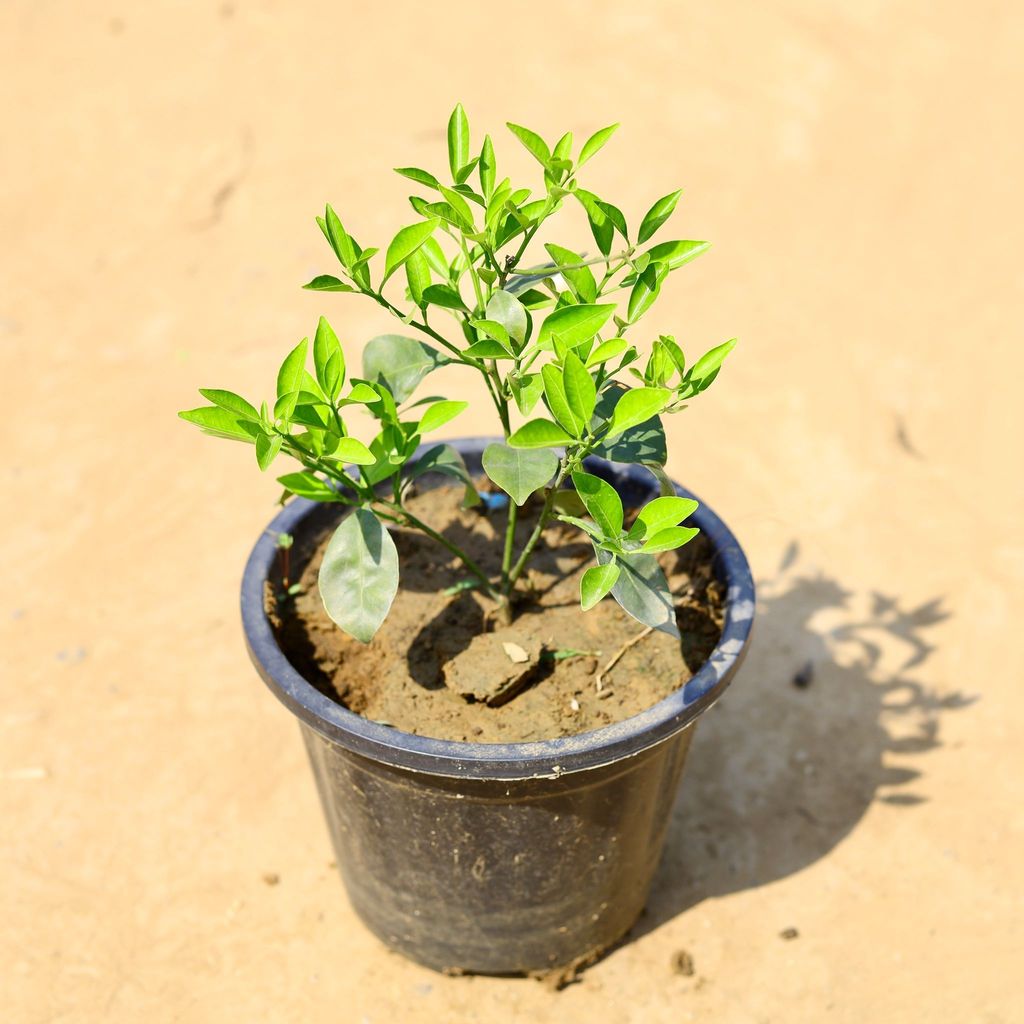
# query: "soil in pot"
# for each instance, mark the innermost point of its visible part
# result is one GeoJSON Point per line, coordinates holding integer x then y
{"type": "Point", "coordinates": [438, 667]}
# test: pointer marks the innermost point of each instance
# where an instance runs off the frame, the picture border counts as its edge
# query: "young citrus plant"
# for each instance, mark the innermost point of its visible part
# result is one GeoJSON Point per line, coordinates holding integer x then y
{"type": "Point", "coordinates": [550, 343]}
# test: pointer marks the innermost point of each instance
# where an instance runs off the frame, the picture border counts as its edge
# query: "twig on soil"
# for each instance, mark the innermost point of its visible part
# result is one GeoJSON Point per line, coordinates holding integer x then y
{"type": "Point", "coordinates": [614, 660]}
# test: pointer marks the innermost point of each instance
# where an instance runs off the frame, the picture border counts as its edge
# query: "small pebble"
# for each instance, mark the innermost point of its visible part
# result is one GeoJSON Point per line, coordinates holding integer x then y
{"type": "Point", "coordinates": [574, 704]}
{"type": "Point", "coordinates": [271, 878]}
{"type": "Point", "coordinates": [682, 963]}
{"type": "Point", "coordinates": [804, 677]}
{"type": "Point", "coordinates": [789, 933]}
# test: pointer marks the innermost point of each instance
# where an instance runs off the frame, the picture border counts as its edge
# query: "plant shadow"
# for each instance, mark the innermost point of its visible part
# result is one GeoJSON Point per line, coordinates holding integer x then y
{"type": "Point", "coordinates": [827, 716]}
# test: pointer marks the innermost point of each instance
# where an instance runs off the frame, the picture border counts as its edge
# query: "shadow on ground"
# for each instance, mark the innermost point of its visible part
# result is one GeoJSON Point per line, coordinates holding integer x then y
{"type": "Point", "coordinates": [827, 716]}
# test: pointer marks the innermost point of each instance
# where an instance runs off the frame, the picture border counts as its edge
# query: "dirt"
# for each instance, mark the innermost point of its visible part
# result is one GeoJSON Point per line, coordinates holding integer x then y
{"type": "Point", "coordinates": [438, 668]}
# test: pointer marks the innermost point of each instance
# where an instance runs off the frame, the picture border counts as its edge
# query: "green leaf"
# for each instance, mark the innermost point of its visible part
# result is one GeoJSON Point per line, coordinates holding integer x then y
{"type": "Point", "coordinates": [351, 450]}
{"type": "Point", "coordinates": [362, 394]}
{"type": "Point", "coordinates": [645, 291]}
{"type": "Point", "coordinates": [444, 296]}
{"type": "Point", "coordinates": [539, 433]}
{"type": "Point", "coordinates": [290, 377]}
{"type": "Point", "coordinates": [231, 402]}
{"type": "Point", "coordinates": [308, 485]}
{"type": "Point", "coordinates": [675, 254]}
{"type": "Point", "coordinates": [595, 142]}
{"type": "Point", "coordinates": [417, 273]}
{"type": "Point", "coordinates": [358, 578]}
{"type": "Point", "coordinates": [327, 283]}
{"type": "Point", "coordinates": [494, 329]}
{"type": "Point", "coordinates": [657, 215]}
{"type": "Point", "coordinates": [325, 347]}
{"type": "Point", "coordinates": [432, 250]}
{"type": "Point", "coordinates": [643, 443]}
{"type": "Point", "coordinates": [581, 279]}
{"type": "Point", "coordinates": [341, 243]}
{"type": "Point", "coordinates": [574, 324]}
{"type": "Point", "coordinates": [401, 363]}
{"type": "Point", "coordinates": [487, 168]}
{"type": "Point", "coordinates": [488, 348]}
{"type": "Point", "coordinates": [519, 472]}
{"type": "Point", "coordinates": [267, 447]}
{"type": "Point", "coordinates": [439, 414]}
{"type": "Point", "coordinates": [602, 501]}
{"type": "Point", "coordinates": [526, 389]}
{"type": "Point", "coordinates": [669, 538]}
{"type": "Point", "coordinates": [444, 459]}
{"type": "Point", "coordinates": [600, 226]}
{"type": "Point", "coordinates": [504, 308]}
{"type": "Point", "coordinates": [711, 361]}
{"type": "Point", "coordinates": [405, 243]}
{"type": "Point", "coordinates": [532, 141]}
{"type": "Point", "coordinates": [635, 406]}
{"type": "Point", "coordinates": [660, 514]}
{"type": "Point", "coordinates": [418, 175]}
{"type": "Point", "coordinates": [463, 213]}
{"type": "Point", "coordinates": [596, 582]}
{"type": "Point", "coordinates": [642, 590]}
{"type": "Point", "coordinates": [607, 350]}
{"type": "Point", "coordinates": [220, 422]}
{"type": "Point", "coordinates": [580, 389]}
{"type": "Point", "coordinates": [558, 402]}
{"type": "Point", "coordinates": [458, 140]}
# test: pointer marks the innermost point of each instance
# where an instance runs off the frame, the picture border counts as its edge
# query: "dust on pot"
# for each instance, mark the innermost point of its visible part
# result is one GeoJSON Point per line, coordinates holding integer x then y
{"type": "Point", "coordinates": [489, 857]}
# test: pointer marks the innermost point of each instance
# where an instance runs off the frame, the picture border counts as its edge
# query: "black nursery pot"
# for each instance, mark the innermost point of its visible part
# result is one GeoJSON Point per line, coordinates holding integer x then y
{"type": "Point", "coordinates": [501, 858]}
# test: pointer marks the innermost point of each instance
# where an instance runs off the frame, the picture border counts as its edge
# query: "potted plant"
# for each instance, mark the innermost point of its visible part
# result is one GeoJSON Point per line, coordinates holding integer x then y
{"type": "Point", "coordinates": [497, 758]}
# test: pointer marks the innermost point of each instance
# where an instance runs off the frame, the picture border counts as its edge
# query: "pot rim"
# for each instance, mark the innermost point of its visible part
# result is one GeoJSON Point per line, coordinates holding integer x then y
{"type": "Point", "coordinates": [505, 761]}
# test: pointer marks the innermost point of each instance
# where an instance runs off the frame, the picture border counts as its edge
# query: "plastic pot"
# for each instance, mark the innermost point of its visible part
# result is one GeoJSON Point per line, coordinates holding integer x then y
{"type": "Point", "coordinates": [501, 858]}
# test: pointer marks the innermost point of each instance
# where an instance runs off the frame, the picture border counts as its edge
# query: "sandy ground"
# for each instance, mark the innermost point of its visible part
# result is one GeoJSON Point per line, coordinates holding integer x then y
{"type": "Point", "coordinates": [859, 169]}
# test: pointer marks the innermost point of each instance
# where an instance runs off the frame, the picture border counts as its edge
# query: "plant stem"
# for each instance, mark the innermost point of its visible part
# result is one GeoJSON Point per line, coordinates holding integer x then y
{"type": "Point", "coordinates": [441, 539]}
{"type": "Point", "coordinates": [510, 539]}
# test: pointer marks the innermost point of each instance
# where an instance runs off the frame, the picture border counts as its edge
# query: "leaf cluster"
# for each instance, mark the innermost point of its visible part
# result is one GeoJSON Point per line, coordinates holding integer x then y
{"type": "Point", "coordinates": [554, 345]}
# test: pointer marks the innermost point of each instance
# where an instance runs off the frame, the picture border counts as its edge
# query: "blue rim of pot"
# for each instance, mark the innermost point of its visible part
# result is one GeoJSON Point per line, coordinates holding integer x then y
{"type": "Point", "coordinates": [507, 761]}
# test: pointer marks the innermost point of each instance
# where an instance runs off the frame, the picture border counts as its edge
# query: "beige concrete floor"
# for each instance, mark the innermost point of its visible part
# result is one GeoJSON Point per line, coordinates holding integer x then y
{"type": "Point", "coordinates": [858, 166]}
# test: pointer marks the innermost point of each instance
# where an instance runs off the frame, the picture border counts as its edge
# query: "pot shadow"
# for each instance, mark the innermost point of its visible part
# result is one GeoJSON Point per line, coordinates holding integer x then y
{"type": "Point", "coordinates": [828, 715]}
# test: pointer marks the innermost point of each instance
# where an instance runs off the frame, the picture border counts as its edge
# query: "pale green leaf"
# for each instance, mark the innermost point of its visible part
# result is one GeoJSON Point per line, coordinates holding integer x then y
{"type": "Point", "coordinates": [504, 308]}
{"type": "Point", "coordinates": [308, 485]}
{"type": "Point", "coordinates": [669, 538]}
{"type": "Point", "coordinates": [400, 362]}
{"type": "Point", "coordinates": [539, 433]}
{"type": "Point", "coordinates": [458, 140]}
{"type": "Point", "coordinates": [519, 472]}
{"type": "Point", "coordinates": [596, 582]}
{"type": "Point", "coordinates": [220, 422]}
{"type": "Point", "coordinates": [660, 514]}
{"type": "Point", "coordinates": [636, 406]}
{"type": "Point", "coordinates": [711, 361]}
{"type": "Point", "coordinates": [657, 215]}
{"type": "Point", "coordinates": [439, 414]}
{"type": "Point", "coordinates": [642, 590]}
{"type": "Point", "coordinates": [267, 447]}
{"type": "Point", "coordinates": [595, 142]}
{"type": "Point", "coordinates": [558, 402]}
{"type": "Point", "coordinates": [325, 347]}
{"type": "Point", "coordinates": [580, 389]}
{"type": "Point", "coordinates": [574, 324]}
{"type": "Point", "coordinates": [602, 502]}
{"type": "Point", "coordinates": [358, 578]}
{"type": "Point", "coordinates": [231, 402]}
{"type": "Point", "coordinates": [405, 243]}
{"type": "Point", "coordinates": [327, 283]}
{"type": "Point", "coordinates": [532, 141]}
